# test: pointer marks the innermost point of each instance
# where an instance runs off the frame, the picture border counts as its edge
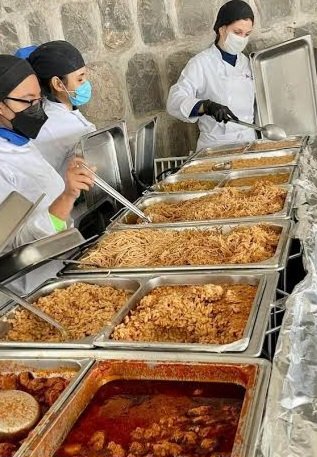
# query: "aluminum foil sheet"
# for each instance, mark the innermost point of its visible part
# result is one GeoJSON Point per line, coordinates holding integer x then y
{"type": "Point", "coordinates": [290, 423]}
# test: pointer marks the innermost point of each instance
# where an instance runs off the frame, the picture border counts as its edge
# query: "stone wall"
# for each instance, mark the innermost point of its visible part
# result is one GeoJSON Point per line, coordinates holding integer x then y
{"type": "Point", "coordinates": [135, 49]}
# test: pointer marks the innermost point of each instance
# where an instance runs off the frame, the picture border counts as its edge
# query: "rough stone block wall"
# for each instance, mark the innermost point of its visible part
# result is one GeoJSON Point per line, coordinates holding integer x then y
{"type": "Point", "coordinates": [136, 49]}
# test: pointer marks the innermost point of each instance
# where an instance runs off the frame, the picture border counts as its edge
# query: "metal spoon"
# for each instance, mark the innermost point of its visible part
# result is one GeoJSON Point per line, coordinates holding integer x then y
{"type": "Point", "coordinates": [113, 193]}
{"type": "Point", "coordinates": [270, 131]}
{"type": "Point", "coordinates": [34, 310]}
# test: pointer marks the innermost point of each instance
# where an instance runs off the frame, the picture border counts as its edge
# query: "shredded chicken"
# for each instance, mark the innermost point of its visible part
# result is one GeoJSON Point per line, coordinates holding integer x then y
{"type": "Point", "coordinates": [262, 199]}
{"type": "Point", "coordinates": [209, 314]}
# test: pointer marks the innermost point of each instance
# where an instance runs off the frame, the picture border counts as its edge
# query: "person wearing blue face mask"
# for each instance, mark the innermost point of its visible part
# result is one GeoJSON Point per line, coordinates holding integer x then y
{"type": "Point", "coordinates": [62, 74]}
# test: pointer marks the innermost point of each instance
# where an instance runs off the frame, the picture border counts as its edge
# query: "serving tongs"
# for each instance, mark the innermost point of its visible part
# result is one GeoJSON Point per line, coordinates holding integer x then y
{"type": "Point", "coordinates": [103, 185]}
{"type": "Point", "coordinates": [34, 310]}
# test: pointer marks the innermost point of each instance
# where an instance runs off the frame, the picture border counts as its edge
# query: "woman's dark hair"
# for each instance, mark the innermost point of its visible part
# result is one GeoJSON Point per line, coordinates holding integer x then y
{"type": "Point", "coordinates": [46, 87]}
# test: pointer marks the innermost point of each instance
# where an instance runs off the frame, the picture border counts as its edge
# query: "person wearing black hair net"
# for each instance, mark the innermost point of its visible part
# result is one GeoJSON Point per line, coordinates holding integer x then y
{"type": "Point", "coordinates": [217, 84]}
{"type": "Point", "coordinates": [62, 73]}
{"type": "Point", "coordinates": [22, 166]}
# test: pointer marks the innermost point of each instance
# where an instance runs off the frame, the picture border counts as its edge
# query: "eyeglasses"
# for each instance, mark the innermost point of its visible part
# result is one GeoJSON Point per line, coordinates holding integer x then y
{"type": "Point", "coordinates": [33, 102]}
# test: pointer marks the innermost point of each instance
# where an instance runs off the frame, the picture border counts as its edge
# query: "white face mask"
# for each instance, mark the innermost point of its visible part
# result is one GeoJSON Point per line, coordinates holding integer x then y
{"type": "Point", "coordinates": [235, 43]}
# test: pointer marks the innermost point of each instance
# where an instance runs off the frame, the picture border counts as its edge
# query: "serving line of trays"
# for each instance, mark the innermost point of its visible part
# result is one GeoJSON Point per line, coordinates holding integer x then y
{"type": "Point", "coordinates": [250, 344]}
{"type": "Point", "coordinates": [218, 379]}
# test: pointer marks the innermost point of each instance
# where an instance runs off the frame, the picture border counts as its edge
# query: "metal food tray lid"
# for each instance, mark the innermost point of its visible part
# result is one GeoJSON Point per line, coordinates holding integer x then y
{"type": "Point", "coordinates": [108, 150]}
{"type": "Point", "coordinates": [30, 256]}
{"type": "Point", "coordinates": [286, 86]}
{"type": "Point", "coordinates": [142, 144]}
{"type": "Point", "coordinates": [14, 211]}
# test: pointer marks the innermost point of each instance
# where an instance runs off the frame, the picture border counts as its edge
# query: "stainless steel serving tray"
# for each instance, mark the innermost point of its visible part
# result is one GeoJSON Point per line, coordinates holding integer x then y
{"type": "Point", "coordinates": [176, 178]}
{"type": "Point", "coordinates": [128, 220]}
{"type": "Point", "coordinates": [286, 86]}
{"type": "Point", "coordinates": [253, 146]}
{"type": "Point", "coordinates": [151, 366]}
{"type": "Point", "coordinates": [14, 211]}
{"type": "Point", "coordinates": [260, 174]}
{"type": "Point", "coordinates": [108, 150]}
{"type": "Point", "coordinates": [253, 155]}
{"type": "Point", "coordinates": [45, 289]}
{"type": "Point", "coordinates": [46, 367]}
{"type": "Point", "coordinates": [142, 144]}
{"type": "Point", "coordinates": [277, 262]}
{"type": "Point", "coordinates": [256, 325]}
{"type": "Point", "coordinates": [29, 256]}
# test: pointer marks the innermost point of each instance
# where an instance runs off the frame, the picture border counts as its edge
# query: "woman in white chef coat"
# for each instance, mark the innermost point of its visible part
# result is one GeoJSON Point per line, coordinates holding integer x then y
{"type": "Point", "coordinates": [22, 166]}
{"type": "Point", "coordinates": [62, 73]}
{"type": "Point", "coordinates": [217, 84]}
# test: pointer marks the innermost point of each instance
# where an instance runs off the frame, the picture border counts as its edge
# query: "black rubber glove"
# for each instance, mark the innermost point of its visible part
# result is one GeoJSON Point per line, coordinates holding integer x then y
{"type": "Point", "coordinates": [220, 112]}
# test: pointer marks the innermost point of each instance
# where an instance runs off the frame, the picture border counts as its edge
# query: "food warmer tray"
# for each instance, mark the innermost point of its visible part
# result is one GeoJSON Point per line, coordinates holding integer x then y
{"type": "Point", "coordinates": [285, 84]}
{"type": "Point", "coordinates": [277, 262]}
{"type": "Point", "coordinates": [254, 155]}
{"type": "Point", "coordinates": [217, 178]}
{"type": "Point", "coordinates": [249, 373]}
{"type": "Point", "coordinates": [44, 366]}
{"type": "Point", "coordinates": [128, 220]}
{"type": "Point", "coordinates": [254, 334]}
{"type": "Point", "coordinates": [292, 142]}
{"type": "Point", "coordinates": [45, 289]}
{"type": "Point", "coordinates": [261, 174]}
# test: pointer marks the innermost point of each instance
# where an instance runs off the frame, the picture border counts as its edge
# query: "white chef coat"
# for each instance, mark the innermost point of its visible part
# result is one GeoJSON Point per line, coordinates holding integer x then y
{"type": "Point", "coordinates": [23, 169]}
{"type": "Point", "coordinates": [60, 134]}
{"type": "Point", "coordinates": [208, 77]}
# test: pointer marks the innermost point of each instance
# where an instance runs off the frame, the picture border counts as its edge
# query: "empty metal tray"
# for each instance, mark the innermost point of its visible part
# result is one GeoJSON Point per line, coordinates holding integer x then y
{"type": "Point", "coordinates": [142, 144]}
{"type": "Point", "coordinates": [108, 150]}
{"type": "Point", "coordinates": [286, 86]}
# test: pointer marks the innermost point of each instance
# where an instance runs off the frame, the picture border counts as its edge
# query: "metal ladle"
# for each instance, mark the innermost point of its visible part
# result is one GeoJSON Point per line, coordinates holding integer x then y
{"type": "Point", "coordinates": [34, 310]}
{"type": "Point", "coordinates": [270, 131]}
{"type": "Point", "coordinates": [116, 195]}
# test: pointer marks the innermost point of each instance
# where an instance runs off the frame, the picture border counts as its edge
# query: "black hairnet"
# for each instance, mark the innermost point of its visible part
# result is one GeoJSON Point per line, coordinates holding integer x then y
{"type": "Point", "coordinates": [13, 71]}
{"type": "Point", "coordinates": [233, 11]}
{"type": "Point", "coordinates": [55, 58]}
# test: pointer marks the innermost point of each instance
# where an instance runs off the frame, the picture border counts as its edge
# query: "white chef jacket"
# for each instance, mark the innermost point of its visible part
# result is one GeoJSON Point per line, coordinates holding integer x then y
{"type": "Point", "coordinates": [23, 169]}
{"type": "Point", "coordinates": [208, 77]}
{"type": "Point", "coordinates": [60, 134]}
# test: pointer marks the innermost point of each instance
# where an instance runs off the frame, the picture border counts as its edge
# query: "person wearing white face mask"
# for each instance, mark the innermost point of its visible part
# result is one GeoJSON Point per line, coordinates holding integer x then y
{"type": "Point", "coordinates": [217, 84]}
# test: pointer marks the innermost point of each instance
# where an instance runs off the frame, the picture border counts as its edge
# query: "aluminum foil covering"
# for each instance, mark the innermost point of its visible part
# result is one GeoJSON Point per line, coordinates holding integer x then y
{"type": "Point", "coordinates": [290, 422]}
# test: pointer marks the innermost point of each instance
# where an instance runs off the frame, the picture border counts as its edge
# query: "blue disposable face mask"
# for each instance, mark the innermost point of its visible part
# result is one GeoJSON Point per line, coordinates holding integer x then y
{"type": "Point", "coordinates": [82, 94]}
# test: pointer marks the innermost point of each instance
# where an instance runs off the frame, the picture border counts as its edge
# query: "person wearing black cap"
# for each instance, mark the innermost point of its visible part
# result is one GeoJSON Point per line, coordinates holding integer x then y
{"type": "Point", "coordinates": [22, 167]}
{"type": "Point", "coordinates": [62, 73]}
{"type": "Point", "coordinates": [217, 84]}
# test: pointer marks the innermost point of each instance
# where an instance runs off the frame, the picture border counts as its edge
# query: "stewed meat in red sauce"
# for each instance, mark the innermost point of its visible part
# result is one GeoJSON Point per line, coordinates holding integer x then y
{"type": "Point", "coordinates": [45, 390]}
{"type": "Point", "coordinates": [157, 419]}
